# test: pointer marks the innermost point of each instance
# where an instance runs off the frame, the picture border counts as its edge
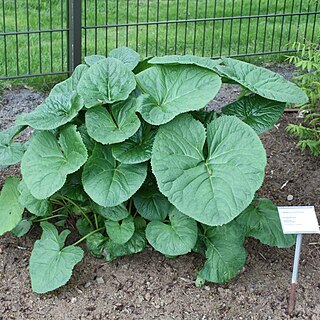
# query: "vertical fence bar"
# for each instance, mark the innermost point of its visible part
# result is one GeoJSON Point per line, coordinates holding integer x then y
{"type": "Point", "coordinates": [204, 28]}
{"type": "Point", "coordinates": [195, 29]}
{"type": "Point", "coordinates": [314, 23]}
{"type": "Point", "coordinates": [28, 36]}
{"type": "Point", "coordinates": [5, 39]}
{"type": "Point", "coordinates": [74, 34]}
{"type": "Point", "coordinates": [240, 26]}
{"type": "Point", "coordinates": [176, 34]}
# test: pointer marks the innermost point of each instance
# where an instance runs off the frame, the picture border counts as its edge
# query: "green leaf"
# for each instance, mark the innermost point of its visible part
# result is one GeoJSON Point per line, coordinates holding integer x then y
{"type": "Point", "coordinates": [120, 232]}
{"type": "Point", "coordinates": [10, 152]}
{"type": "Point", "coordinates": [113, 126]}
{"type": "Point", "coordinates": [48, 161]}
{"type": "Point", "coordinates": [186, 59]}
{"type": "Point", "coordinates": [95, 244]}
{"type": "Point", "coordinates": [116, 213]}
{"type": "Point", "coordinates": [10, 208]}
{"type": "Point", "coordinates": [33, 205]}
{"type": "Point", "coordinates": [109, 182]}
{"type": "Point", "coordinates": [261, 221]}
{"type": "Point", "coordinates": [128, 56]}
{"type": "Point", "coordinates": [50, 232]}
{"type": "Point", "coordinates": [171, 90]}
{"type": "Point", "coordinates": [54, 112]}
{"type": "Point", "coordinates": [22, 228]}
{"type": "Point", "coordinates": [176, 238]}
{"type": "Point", "coordinates": [106, 81]}
{"type": "Point", "coordinates": [114, 250]}
{"type": "Point", "coordinates": [68, 86]}
{"type": "Point", "coordinates": [212, 186]}
{"type": "Point", "coordinates": [136, 149]}
{"type": "Point", "coordinates": [142, 65]}
{"type": "Point", "coordinates": [261, 81]}
{"type": "Point", "coordinates": [225, 253]}
{"type": "Point", "coordinates": [51, 265]}
{"type": "Point", "coordinates": [259, 113]}
{"type": "Point", "coordinates": [90, 60]}
{"type": "Point", "coordinates": [150, 202]}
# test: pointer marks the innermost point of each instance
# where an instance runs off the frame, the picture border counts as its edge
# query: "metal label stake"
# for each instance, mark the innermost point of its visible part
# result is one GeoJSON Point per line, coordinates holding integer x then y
{"type": "Point", "coordinates": [295, 270]}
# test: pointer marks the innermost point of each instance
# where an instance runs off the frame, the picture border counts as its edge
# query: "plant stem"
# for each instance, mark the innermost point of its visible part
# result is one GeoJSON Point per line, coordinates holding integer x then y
{"type": "Point", "coordinates": [96, 221]}
{"type": "Point", "coordinates": [80, 210]}
{"type": "Point", "coordinates": [87, 235]}
{"type": "Point", "coordinates": [130, 205]}
{"type": "Point", "coordinates": [52, 217]}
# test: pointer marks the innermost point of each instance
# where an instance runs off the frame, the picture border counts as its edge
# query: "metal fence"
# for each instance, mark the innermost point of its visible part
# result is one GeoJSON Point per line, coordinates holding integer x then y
{"type": "Point", "coordinates": [51, 37]}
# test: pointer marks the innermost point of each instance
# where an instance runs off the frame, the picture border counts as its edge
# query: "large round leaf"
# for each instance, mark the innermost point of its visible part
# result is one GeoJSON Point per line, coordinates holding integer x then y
{"type": "Point", "coordinates": [186, 59]}
{"type": "Point", "coordinates": [10, 208]}
{"type": "Point", "coordinates": [115, 124]}
{"type": "Point", "coordinates": [259, 113]}
{"type": "Point", "coordinates": [150, 202]}
{"type": "Point", "coordinates": [261, 81]}
{"type": "Point", "coordinates": [54, 112]}
{"type": "Point", "coordinates": [225, 253]}
{"type": "Point", "coordinates": [109, 182]}
{"type": "Point", "coordinates": [171, 90]}
{"type": "Point", "coordinates": [137, 148]}
{"type": "Point", "coordinates": [261, 221]}
{"type": "Point", "coordinates": [10, 152]}
{"type": "Point", "coordinates": [176, 238]}
{"type": "Point", "coordinates": [120, 231]}
{"type": "Point", "coordinates": [106, 81]}
{"type": "Point", "coordinates": [48, 161]}
{"type": "Point", "coordinates": [212, 186]}
{"type": "Point", "coordinates": [128, 56]}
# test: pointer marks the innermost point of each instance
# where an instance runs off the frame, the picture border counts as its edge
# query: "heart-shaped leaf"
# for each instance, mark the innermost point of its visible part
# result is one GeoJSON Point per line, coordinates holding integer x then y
{"type": "Point", "coordinates": [48, 161]}
{"type": "Point", "coordinates": [259, 113]}
{"type": "Point", "coordinates": [225, 253]}
{"type": "Point", "coordinates": [120, 232]}
{"type": "Point", "coordinates": [171, 90]}
{"type": "Point", "coordinates": [68, 86]}
{"type": "Point", "coordinates": [128, 56]}
{"type": "Point", "coordinates": [176, 238]}
{"type": "Point", "coordinates": [10, 208]}
{"type": "Point", "coordinates": [51, 265]}
{"type": "Point", "coordinates": [137, 148]}
{"type": "Point", "coordinates": [212, 186]}
{"type": "Point", "coordinates": [113, 250]}
{"type": "Point", "coordinates": [109, 182]}
{"type": "Point", "coordinates": [22, 228]}
{"type": "Point", "coordinates": [95, 244]}
{"type": "Point", "coordinates": [150, 202]}
{"type": "Point", "coordinates": [10, 152]}
{"type": "Point", "coordinates": [261, 81]}
{"type": "Point", "coordinates": [261, 221]}
{"type": "Point", "coordinates": [54, 112]}
{"type": "Point", "coordinates": [116, 213]}
{"type": "Point", "coordinates": [114, 125]}
{"type": "Point", "coordinates": [186, 59]}
{"type": "Point", "coordinates": [33, 205]}
{"type": "Point", "coordinates": [106, 81]}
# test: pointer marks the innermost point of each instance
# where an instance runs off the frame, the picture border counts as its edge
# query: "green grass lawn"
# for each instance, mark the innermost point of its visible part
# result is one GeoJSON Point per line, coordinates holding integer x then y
{"type": "Point", "coordinates": [47, 52]}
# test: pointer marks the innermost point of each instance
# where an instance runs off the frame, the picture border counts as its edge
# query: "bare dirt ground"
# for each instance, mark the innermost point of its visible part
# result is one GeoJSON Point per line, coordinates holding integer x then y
{"type": "Point", "coordinates": [151, 286]}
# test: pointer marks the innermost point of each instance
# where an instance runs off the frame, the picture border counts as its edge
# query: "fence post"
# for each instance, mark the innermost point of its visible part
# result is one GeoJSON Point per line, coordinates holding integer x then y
{"type": "Point", "coordinates": [74, 34]}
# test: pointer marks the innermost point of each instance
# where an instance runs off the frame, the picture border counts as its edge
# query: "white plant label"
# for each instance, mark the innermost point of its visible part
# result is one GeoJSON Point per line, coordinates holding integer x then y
{"type": "Point", "coordinates": [295, 220]}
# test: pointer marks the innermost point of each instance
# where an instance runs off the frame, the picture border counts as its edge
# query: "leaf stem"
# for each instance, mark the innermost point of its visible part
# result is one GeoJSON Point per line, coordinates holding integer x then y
{"type": "Point", "coordinates": [87, 235]}
{"type": "Point", "coordinates": [96, 221]}
{"type": "Point", "coordinates": [79, 208]}
{"type": "Point", "coordinates": [51, 217]}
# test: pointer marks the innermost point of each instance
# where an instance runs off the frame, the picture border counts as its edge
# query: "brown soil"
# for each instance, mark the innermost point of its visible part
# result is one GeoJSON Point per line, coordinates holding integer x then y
{"type": "Point", "coordinates": [151, 286]}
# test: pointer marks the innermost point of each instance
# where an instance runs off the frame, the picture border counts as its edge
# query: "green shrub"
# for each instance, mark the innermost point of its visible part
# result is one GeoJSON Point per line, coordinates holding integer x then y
{"type": "Point", "coordinates": [308, 78]}
{"type": "Point", "coordinates": [125, 151]}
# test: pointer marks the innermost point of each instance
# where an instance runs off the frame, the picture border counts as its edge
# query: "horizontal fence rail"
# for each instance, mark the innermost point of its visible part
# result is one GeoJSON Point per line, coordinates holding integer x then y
{"type": "Point", "coordinates": [52, 37]}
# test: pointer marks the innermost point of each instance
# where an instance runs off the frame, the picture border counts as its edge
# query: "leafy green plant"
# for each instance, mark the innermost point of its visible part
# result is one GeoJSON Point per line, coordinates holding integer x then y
{"type": "Point", "coordinates": [125, 152]}
{"type": "Point", "coordinates": [308, 78]}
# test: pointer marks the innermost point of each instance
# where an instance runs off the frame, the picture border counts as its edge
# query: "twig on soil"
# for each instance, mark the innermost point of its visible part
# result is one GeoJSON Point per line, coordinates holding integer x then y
{"type": "Point", "coordinates": [283, 186]}
{"type": "Point", "coordinates": [265, 259]}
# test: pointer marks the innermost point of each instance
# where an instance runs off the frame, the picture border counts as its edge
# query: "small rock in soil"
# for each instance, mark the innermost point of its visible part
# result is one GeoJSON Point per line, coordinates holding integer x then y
{"type": "Point", "coordinates": [99, 280]}
{"type": "Point", "coordinates": [290, 197]}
